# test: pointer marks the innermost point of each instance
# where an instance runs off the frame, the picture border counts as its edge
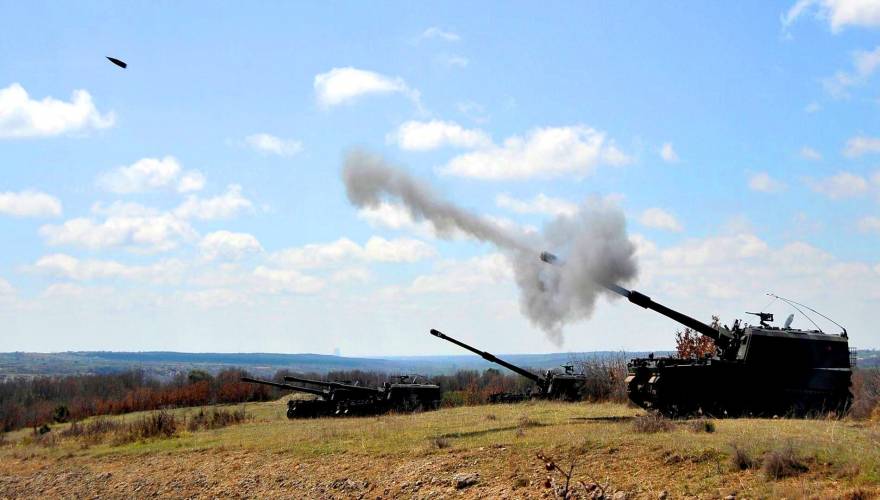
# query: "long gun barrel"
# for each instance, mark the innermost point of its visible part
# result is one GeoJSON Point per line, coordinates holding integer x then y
{"type": "Point", "coordinates": [720, 337]}
{"type": "Point", "coordinates": [334, 385]}
{"type": "Point", "coordinates": [491, 358]}
{"type": "Point", "coordinates": [295, 388]}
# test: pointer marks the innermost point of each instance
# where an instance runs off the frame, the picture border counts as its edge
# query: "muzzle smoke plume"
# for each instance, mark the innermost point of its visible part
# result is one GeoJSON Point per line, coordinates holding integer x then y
{"type": "Point", "coordinates": [593, 242]}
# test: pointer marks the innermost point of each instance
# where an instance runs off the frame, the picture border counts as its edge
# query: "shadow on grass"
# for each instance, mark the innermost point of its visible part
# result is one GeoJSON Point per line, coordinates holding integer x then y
{"type": "Point", "coordinates": [489, 431]}
{"type": "Point", "coordinates": [603, 419]}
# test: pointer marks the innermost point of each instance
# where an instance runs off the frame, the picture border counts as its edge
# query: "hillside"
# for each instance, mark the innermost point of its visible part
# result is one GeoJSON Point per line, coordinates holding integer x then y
{"type": "Point", "coordinates": [435, 455]}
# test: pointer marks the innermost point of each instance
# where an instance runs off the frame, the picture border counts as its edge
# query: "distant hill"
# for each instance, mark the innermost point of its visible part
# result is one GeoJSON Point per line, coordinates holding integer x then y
{"type": "Point", "coordinates": [166, 364]}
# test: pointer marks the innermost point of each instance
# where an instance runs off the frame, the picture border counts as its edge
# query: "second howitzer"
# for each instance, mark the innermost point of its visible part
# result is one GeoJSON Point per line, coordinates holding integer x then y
{"type": "Point", "coordinates": [567, 385]}
{"type": "Point", "coordinates": [756, 370]}
{"type": "Point", "coordinates": [323, 405]}
{"type": "Point", "coordinates": [403, 394]}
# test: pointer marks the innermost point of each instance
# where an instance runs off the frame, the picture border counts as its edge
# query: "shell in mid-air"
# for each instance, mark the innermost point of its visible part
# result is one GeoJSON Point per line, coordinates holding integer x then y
{"type": "Point", "coordinates": [117, 62]}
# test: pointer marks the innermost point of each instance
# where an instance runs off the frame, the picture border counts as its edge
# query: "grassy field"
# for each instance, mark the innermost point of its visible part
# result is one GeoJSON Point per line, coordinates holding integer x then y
{"type": "Point", "coordinates": [419, 456]}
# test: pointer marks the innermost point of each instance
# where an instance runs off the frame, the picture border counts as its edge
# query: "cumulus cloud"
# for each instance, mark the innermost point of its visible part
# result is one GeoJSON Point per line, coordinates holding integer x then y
{"type": "Point", "coordinates": [808, 153]}
{"type": "Point", "coordinates": [540, 204]}
{"type": "Point", "coordinates": [658, 218]}
{"type": "Point", "coordinates": [434, 134]}
{"type": "Point", "coordinates": [21, 116]}
{"type": "Point", "coordinates": [861, 145]}
{"type": "Point", "coordinates": [343, 250]}
{"type": "Point", "coordinates": [865, 63]}
{"type": "Point", "coordinates": [344, 85]}
{"type": "Point", "coordinates": [838, 13]}
{"type": "Point", "coordinates": [543, 152]}
{"type": "Point", "coordinates": [764, 183]}
{"type": "Point", "coordinates": [149, 174]}
{"type": "Point", "coordinates": [223, 206]}
{"type": "Point", "coordinates": [438, 33]}
{"type": "Point", "coordinates": [841, 185]}
{"type": "Point", "coordinates": [453, 60]}
{"type": "Point", "coordinates": [453, 276]}
{"type": "Point", "coordinates": [29, 204]}
{"type": "Point", "coordinates": [394, 216]}
{"type": "Point", "coordinates": [138, 233]}
{"type": "Point", "coordinates": [66, 266]}
{"type": "Point", "coordinates": [869, 224]}
{"type": "Point", "coordinates": [668, 154]}
{"type": "Point", "coordinates": [270, 144]}
{"type": "Point", "coordinates": [286, 281]}
{"type": "Point", "coordinates": [228, 245]}
{"type": "Point", "coordinates": [6, 288]}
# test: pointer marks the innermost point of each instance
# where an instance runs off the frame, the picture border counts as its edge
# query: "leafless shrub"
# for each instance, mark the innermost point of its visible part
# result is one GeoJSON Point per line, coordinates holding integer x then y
{"type": "Point", "coordinates": [525, 422]}
{"type": "Point", "coordinates": [604, 378]}
{"type": "Point", "coordinates": [857, 494]}
{"type": "Point", "coordinates": [440, 443]}
{"type": "Point", "coordinates": [782, 463]}
{"type": "Point", "coordinates": [491, 416]}
{"type": "Point", "coordinates": [652, 422]}
{"type": "Point", "coordinates": [560, 480]}
{"type": "Point", "coordinates": [741, 459]}
{"type": "Point", "coordinates": [161, 424]}
{"type": "Point", "coordinates": [866, 394]}
{"type": "Point", "coordinates": [701, 425]}
{"type": "Point", "coordinates": [216, 418]}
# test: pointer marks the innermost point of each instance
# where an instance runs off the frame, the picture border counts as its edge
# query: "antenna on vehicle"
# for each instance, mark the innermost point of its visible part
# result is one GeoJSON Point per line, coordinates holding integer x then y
{"type": "Point", "coordinates": [796, 304]}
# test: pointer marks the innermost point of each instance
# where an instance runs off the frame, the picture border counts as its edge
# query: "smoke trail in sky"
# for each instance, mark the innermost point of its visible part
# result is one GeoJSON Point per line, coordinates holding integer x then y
{"type": "Point", "coordinates": [593, 242]}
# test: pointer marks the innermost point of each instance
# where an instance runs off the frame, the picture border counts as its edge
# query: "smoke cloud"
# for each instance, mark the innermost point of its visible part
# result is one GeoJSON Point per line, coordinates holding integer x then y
{"type": "Point", "coordinates": [592, 243]}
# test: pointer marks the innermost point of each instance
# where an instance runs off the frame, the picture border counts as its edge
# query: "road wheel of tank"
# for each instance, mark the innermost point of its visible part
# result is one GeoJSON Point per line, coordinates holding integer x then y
{"type": "Point", "coordinates": [291, 412]}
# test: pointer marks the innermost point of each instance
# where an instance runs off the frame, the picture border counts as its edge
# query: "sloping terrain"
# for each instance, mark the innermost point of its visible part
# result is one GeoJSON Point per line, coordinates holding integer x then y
{"type": "Point", "coordinates": [472, 452]}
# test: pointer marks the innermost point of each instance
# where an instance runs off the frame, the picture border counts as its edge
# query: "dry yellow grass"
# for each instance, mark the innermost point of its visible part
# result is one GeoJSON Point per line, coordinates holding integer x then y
{"type": "Point", "coordinates": [398, 455]}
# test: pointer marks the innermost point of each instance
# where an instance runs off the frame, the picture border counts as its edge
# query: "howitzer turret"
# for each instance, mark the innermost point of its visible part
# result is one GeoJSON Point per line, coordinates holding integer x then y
{"type": "Point", "coordinates": [553, 385]}
{"type": "Point", "coordinates": [756, 370]}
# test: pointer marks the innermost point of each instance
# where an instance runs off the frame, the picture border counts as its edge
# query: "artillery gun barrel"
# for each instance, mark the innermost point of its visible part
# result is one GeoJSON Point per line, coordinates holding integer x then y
{"type": "Point", "coordinates": [643, 300]}
{"type": "Point", "coordinates": [296, 388]}
{"type": "Point", "coordinates": [334, 385]}
{"type": "Point", "coordinates": [491, 358]}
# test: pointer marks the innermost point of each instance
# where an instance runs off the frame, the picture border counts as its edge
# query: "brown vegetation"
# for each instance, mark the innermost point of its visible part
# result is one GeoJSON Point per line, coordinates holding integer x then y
{"type": "Point", "coordinates": [652, 422]}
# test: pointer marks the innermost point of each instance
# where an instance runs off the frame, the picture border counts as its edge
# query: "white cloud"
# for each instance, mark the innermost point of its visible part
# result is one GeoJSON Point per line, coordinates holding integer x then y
{"type": "Point", "coordinates": [343, 250]}
{"type": "Point", "coordinates": [544, 152]}
{"type": "Point", "coordinates": [6, 288]}
{"type": "Point", "coordinates": [540, 204]}
{"type": "Point", "coordinates": [270, 144]}
{"type": "Point", "coordinates": [223, 206]}
{"type": "Point", "coordinates": [286, 280]}
{"type": "Point", "coordinates": [861, 145]}
{"type": "Point", "coordinates": [453, 61]}
{"type": "Point", "coordinates": [214, 298]}
{"type": "Point", "coordinates": [344, 85]}
{"type": "Point", "coordinates": [21, 116]}
{"type": "Point", "coordinates": [838, 13]}
{"type": "Point", "coordinates": [668, 154]}
{"type": "Point", "coordinates": [395, 216]}
{"type": "Point", "coordinates": [658, 218]}
{"type": "Point", "coordinates": [439, 33]}
{"type": "Point", "coordinates": [142, 233]}
{"type": "Point", "coordinates": [762, 182]}
{"type": "Point", "coordinates": [66, 266]}
{"type": "Point", "coordinates": [810, 154]}
{"type": "Point", "coordinates": [455, 276]}
{"type": "Point", "coordinates": [869, 224]}
{"type": "Point", "coordinates": [865, 63]}
{"type": "Point", "coordinates": [29, 204]}
{"type": "Point", "coordinates": [228, 245]}
{"type": "Point", "coordinates": [841, 185]}
{"type": "Point", "coordinates": [151, 173]}
{"type": "Point", "coordinates": [425, 136]}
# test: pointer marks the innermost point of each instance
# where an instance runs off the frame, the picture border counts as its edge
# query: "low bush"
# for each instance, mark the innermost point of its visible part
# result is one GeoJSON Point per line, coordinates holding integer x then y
{"type": "Point", "coordinates": [216, 418]}
{"type": "Point", "coordinates": [161, 424]}
{"type": "Point", "coordinates": [741, 459]}
{"type": "Point", "coordinates": [440, 443]}
{"type": "Point", "coordinates": [652, 422]}
{"type": "Point", "coordinates": [782, 463]}
{"type": "Point", "coordinates": [701, 425]}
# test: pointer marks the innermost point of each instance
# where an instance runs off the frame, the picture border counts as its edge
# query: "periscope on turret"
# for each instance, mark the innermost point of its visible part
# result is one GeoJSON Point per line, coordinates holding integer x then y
{"type": "Point", "coordinates": [757, 370]}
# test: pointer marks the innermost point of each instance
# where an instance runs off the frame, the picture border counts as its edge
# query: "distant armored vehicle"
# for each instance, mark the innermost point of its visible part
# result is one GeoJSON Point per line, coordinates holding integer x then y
{"type": "Point", "coordinates": [567, 385]}
{"type": "Point", "coordinates": [346, 399]}
{"type": "Point", "coordinates": [757, 370]}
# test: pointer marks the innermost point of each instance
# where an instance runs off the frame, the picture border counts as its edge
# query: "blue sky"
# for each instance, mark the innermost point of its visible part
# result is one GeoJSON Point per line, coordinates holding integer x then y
{"type": "Point", "coordinates": [193, 202]}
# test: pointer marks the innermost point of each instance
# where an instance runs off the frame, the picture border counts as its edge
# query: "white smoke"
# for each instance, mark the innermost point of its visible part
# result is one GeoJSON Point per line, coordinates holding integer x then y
{"type": "Point", "coordinates": [593, 242]}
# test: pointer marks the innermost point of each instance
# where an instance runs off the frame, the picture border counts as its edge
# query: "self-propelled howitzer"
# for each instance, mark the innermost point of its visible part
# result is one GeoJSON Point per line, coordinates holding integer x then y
{"type": "Point", "coordinates": [323, 405]}
{"type": "Point", "coordinates": [553, 385]}
{"type": "Point", "coordinates": [404, 394]}
{"type": "Point", "coordinates": [757, 370]}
